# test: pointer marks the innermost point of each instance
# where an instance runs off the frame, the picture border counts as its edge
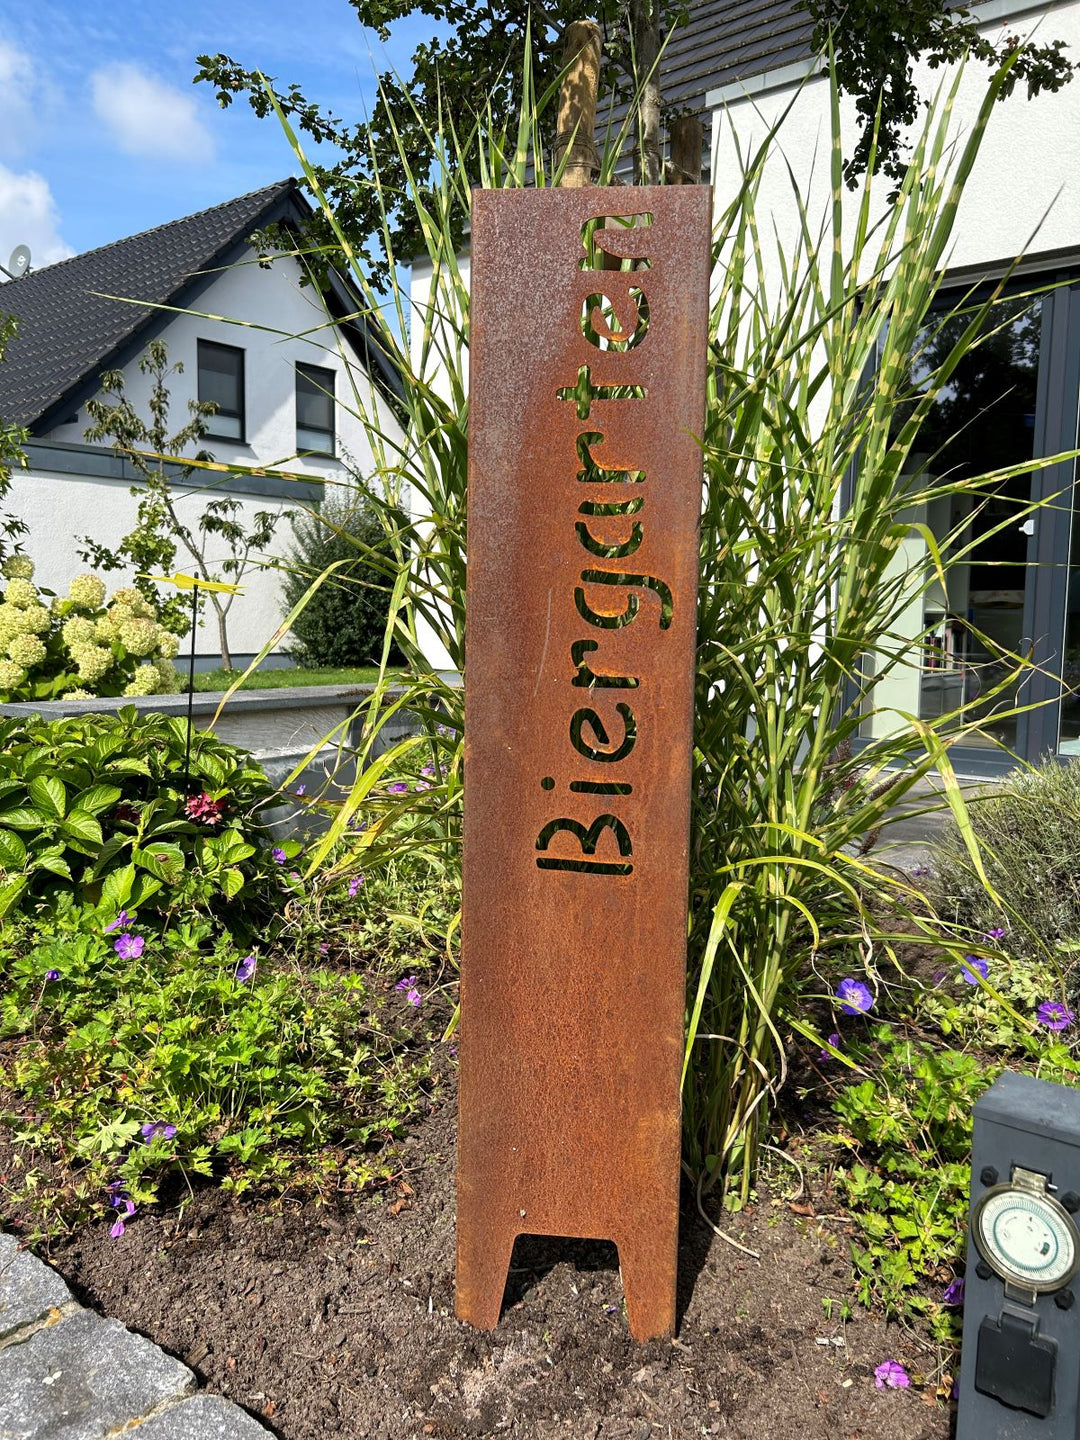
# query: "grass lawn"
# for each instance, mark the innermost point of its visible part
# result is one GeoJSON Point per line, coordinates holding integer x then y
{"type": "Point", "coordinates": [210, 680]}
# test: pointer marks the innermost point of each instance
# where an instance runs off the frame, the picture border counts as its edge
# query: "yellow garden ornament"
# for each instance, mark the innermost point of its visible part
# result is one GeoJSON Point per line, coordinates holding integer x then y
{"type": "Point", "coordinates": [193, 582]}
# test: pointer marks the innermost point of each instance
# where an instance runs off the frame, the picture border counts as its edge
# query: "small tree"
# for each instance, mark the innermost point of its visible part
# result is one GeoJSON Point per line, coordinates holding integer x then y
{"type": "Point", "coordinates": [344, 621]}
{"type": "Point", "coordinates": [12, 438]}
{"type": "Point", "coordinates": [159, 529]}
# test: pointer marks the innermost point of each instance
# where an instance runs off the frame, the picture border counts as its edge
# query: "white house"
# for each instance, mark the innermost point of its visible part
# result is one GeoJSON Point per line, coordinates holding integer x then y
{"type": "Point", "coordinates": [289, 386]}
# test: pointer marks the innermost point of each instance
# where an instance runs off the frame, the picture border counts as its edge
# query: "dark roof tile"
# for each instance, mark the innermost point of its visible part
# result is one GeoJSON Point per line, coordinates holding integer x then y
{"type": "Point", "coordinates": [68, 331]}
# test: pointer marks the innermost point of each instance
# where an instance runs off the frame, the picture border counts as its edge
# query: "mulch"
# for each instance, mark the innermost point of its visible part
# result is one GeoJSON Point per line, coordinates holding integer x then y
{"type": "Point", "coordinates": [336, 1319]}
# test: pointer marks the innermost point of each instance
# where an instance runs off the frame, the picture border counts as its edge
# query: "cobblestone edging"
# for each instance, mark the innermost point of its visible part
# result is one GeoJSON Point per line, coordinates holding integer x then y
{"type": "Point", "coordinates": [68, 1374]}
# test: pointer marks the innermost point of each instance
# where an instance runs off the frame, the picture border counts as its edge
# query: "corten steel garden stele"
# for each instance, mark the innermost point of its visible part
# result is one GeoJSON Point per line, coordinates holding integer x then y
{"type": "Point", "coordinates": [587, 400]}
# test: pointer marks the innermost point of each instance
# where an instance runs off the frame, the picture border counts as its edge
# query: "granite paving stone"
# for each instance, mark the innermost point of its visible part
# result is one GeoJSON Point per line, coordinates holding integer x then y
{"type": "Point", "coordinates": [29, 1288]}
{"type": "Point", "coordinates": [203, 1417]}
{"type": "Point", "coordinates": [82, 1378]}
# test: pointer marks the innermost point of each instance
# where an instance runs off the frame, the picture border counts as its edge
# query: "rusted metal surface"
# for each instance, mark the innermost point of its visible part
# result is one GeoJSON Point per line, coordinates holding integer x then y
{"type": "Point", "coordinates": [579, 694]}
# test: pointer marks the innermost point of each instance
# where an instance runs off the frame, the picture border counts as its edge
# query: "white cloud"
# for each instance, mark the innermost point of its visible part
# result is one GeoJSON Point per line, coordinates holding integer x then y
{"type": "Point", "coordinates": [18, 88]}
{"type": "Point", "coordinates": [146, 116]}
{"type": "Point", "coordinates": [28, 216]}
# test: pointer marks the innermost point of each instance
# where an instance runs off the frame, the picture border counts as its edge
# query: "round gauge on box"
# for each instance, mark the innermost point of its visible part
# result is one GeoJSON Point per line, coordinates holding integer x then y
{"type": "Point", "coordinates": [1027, 1237]}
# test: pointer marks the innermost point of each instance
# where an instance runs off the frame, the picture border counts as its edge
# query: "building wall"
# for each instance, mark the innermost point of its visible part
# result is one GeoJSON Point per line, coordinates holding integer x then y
{"type": "Point", "coordinates": [64, 497]}
{"type": "Point", "coordinates": [1022, 199]}
{"type": "Point", "coordinates": [1023, 196]}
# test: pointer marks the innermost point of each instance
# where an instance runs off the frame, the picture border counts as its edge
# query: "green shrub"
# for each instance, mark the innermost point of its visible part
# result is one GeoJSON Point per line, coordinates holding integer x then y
{"type": "Point", "coordinates": [344, 621]}
{"type": "Point", "coordinates": [1029, 836]}
{"type": "Point", "coordinates": [78, 646]}
{"type": "Point", "coordinates": [96, 807]}
{"type": "Point", "coordinates": [131, 1055]}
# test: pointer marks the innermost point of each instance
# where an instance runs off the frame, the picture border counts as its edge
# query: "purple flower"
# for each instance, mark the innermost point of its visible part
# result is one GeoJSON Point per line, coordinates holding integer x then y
{"type": "Point", "coordinates": [921, 872]}
{"type": "Point", "coordinates": [855, 998]}
{"type": "Point", "coordinates": [277, 855]}
{"type": "Point", "coordinates": [409, 985]}
{"type": "Point", "coordinates": [995, 934]}
{"type": "Point", "coordinates": [422, 785]}
{"type": "Point", "coordinates": [938, 976]}
{"type": "Point", "coordinates": [1054, 1015]}
{"type": "Point", "coordinates": [246, 969]}
{"type": "Point", "coordinates": [122, 919]}
{"type": "Point", "coordinates": [977, 963]}
{"type": "Point", "coordinates": [354, 885]}
{"type": "Point", "coordinates": [324, 948]}
{"type": "Point", "coordinates": [834, 1039]}
{"type": "Point", "coordinates": [399, 788]}
{"type": "Point", "coordinates": [428, 770]}
{"type": "Point", "coordinates": [129, 947]}
{"type": "Point", "coordinates": [52, 974]}
{"type": "Point", "coordinates": [954, 1291]}
{"type": "Point", "coordinates": [158, 1127]}
{"type": "Point", "coordinates": [301, 789]}
{"type": "Point", "coordinates": [119, 1200]}
{"type": "Point", "coordinates": [891, 1374]}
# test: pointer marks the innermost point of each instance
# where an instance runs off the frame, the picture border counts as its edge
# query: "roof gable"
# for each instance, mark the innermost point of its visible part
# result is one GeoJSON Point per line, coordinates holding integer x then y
{"type": "Point", "coordinates": [68, 333]}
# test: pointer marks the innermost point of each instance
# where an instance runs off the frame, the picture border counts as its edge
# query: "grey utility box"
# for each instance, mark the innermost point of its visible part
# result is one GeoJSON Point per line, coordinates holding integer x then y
{"type": "Point", "coordinates": [1020, 1367]}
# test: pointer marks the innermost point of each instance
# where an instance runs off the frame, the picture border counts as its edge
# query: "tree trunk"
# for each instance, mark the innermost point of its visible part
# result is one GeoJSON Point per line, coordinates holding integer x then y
{"type": "Point", "coordinates": [645, 34]}
{"type": "Point", "coordinates": [687, 144]}
{"type": "Point", "coordinates": [577, 105]}
{"type": "Point", "coordinates": [223, 633]}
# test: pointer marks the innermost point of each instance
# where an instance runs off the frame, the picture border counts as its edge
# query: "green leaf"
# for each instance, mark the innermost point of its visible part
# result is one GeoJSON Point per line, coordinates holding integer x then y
{"type": "Point", "coordinates": [12, 851]}
{"type": "Point", "coordinates": [109, 852]}
{"type": "Point", "coordinates": [164, 862]}
{"type": "Point", "coordinates": [98, 798]}
{"type": "Point", "coordinates": [83, 826]}
{"type": "Point", "coordinates": [24, 818]}
{"type": "Point", "coordinates": [113, 1137]}
{"type": "Point", "coordinates": [10, 892]}
{"type": "Point", "coordinates": [116, 890]}
{"type": "Point", "coordinates": [49, 795]}
{"type": "Point", "coordinates": [232, 882]}
{"type": "Point", "coordinates": [53, 861]}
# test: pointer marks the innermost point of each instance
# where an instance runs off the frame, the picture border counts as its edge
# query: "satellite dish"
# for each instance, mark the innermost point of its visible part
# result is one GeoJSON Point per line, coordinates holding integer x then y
{"type": "Point", "coordinates": [19, 263]}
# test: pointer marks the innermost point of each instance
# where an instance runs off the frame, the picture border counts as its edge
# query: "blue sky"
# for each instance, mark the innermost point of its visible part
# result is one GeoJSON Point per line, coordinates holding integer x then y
{"type": "Point", "coordinates": [103, 134]}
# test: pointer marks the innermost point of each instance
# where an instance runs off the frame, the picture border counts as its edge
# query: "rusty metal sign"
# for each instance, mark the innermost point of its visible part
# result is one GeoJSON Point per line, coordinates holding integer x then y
{"type": "Point", "coordinates": [589, 319]}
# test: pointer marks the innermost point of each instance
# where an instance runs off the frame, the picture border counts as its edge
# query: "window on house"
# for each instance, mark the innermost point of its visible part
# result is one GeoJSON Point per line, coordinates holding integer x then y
{"type": "Point", "coordinates": [315, 409]}
{"type": "Point", "coordinates": [221, 380]}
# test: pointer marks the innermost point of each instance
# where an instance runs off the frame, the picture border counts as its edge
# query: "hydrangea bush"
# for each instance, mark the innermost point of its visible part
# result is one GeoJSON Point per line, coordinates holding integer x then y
{"type": "Point", "coordinates": [79, 646]}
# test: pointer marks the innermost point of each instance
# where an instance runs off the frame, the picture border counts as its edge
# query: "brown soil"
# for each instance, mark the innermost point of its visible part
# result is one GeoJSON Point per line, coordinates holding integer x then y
{"type": "Point", "coordinates": [329, 1322]}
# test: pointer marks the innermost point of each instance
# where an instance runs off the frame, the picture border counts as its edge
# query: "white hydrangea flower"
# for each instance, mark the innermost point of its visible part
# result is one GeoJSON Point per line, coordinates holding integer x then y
{"type": "Point", "coordinates": [134, 601]}
{"type": "Point", "coordinates": [78, 632]}
{"type": "Point", "coordinates": [26, 650]}
{"type": "Point", "coordinates": [168, 677]}
{"type": "Point", "coordinates": [87, 591]}
{"type": "Point", "coordinates": [36, 619]}
{"type": "Point", "coordinates": [139, 637]}
{"type": "Point", "coordinates": [106, 629]}
{"type": "Point", "coordinates": [78, 695]}
{"type": "Point", "coordinates": [12, 623]}
{"type": "Point", "coordinates": [21, 593]}
{"type": "Point", "coordinates": [168, 644]}
{"type": "Point", "coordinates": [93, 662]}
{"type": "Point", "coordinates": [11, 675]}
{"type": "Point", "coordinates": [19, 567]}
{"type": "Point", "coordinates": [146, 681]}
